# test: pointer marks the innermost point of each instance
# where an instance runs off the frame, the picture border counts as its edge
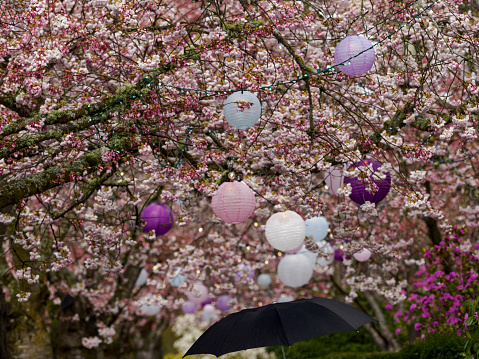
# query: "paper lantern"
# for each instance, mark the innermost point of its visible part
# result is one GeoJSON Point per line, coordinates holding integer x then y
{"type": "Point", "coordinates": [363, 255]}
{"type": "Point", "coordinates": [209, 312]}
{"type": "Point", "coordinates": [283, 298]}
{"type": "Point", "coordinates": [242, 110]}
{"type": "Point", "coordinates": [296, 250]}
{"type": "Point", "coordinates": [334, 179]}
{"type": "Point", "coordinates": [234, 202]}
{"type": "Point", "coordinates": [189, 307]}
{"type": "Point", "coordinates": [176, 278]}
{"type": "Point", "coordinates": [359, 193]}
{"type": "Point", "coordinates": [328, 256]}
{"type": "Point", "coordinates": [339, 255]}
{"type": "Point", "coordinates": [295, 270]}
{"type": "Point", "coordinates": [317, 228]}
{"type": "Point", "coordinates": [264, 280]}
{"type": "Point", "coordinates": [350, 47]}
{"type": "Point", "coordinates": [311, 255]}
{"type": "Point", "coordinates": [141, 278]}
{"type": "Point", "coordinates": [198, 293]}
{"type": "Point", "coordinates": [285, 230]}
{"type": "Point", "coordinates": [150, 309]}
{"type": "Point", "coordinates": [223, 303]}
{"type": "Point", "coordinates": [158, 217]}
{"type": "Point", "coordinates": [244, 271]}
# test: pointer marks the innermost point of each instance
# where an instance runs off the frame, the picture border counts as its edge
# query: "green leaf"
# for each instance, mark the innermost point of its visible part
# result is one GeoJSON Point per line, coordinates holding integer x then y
{"type": "Point", "coordinates": [468, 303]}
{"type": "Point", "coordinates": [469, 321]}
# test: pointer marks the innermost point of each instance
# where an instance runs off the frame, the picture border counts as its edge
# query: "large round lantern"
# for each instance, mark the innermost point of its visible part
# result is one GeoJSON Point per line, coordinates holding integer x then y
{"type": "Point", "coordinates": [264, 280]}
{"type": "Point", "coordinates": [359, 193]}
{"type": "Point", "coordinates": [295, 270]}
{"type": "Point", "coordinates": [311, 255]}
{"type": "Point", "coordinates": [234, 202]}
{"type": "Point", "coordinates": [158, 217]}
{"type": "Point", "coordinates": [327, 256]}
{"type": "Point", "coordinates": [198, 293]}
{"type": "Point", "coordinates": [350, 47]}
{"type": "Point", "coordinates": [242, 110]}
{"type": "Point", "coordinates": [223, 302]}
{"type": "Point", "coordinates": [285, 230]}
{"type": "Point", "coordinates": [363, 255]}
{"type": "Point", "coordinates": [317, 228]}
{"type": "Point", "coordinates": [334, 179]}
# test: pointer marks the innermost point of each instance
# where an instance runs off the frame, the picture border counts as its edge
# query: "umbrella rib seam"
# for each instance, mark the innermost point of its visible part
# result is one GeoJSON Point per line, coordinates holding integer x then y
{"type": "Point", "coordinates": [282, 327]}
{"type": "Point", "coordinates": [226, 335]}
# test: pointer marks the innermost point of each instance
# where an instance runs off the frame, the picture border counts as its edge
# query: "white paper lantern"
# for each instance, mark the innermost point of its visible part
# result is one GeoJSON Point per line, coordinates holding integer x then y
{"type": "Point", "coordinates": [242, 110]}
{"type": "Point", "coordinates": [198, 293]}
{"type": "Point", "coordinates": [175, 278]}
{"type": "Point", "coordinates": [264, 280]}
{"type": "Point", "coordinates": [295, 270]}
{"type": "Point", "coordinates": [283, 298]}
{"type": "Point", "coordinates": [317, 227]}
{"type": "Point", "coordinates": [311, 255]}
{"type": "Point", "coordinates": [150, 309]}
{"type": "Point", "coordinates": [285, 230]}
{"type": "Point", "coordinates": [334, 179]}
{"type": "Point", "coordinates": [141, 278]}
{"type": "Point", "coordinates": [362, 256]}
{"type": "Point", "coordinates": [209, 312]}
{"type": "Point", "coordinates": [328, 257]}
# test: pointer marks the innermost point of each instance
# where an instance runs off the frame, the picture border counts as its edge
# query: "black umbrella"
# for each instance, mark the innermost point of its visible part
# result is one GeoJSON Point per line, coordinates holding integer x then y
{"type": "Point", "coordinates": [278, 324]}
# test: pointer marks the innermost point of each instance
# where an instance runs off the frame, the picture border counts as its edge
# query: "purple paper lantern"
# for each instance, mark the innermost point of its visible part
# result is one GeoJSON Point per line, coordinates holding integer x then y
{"type": "Point", "coordinates": [338, 255]}
{"type": "Point", "coordinates": [359, 193]}
{"type": "Point", "coordinates": [350, 47]}
{"type": "Point", "coordinates": [189, 307]}
{"type": "Point", "coordinates": [158, 217]}
{"type": "Point", "coordinates": [223, 303]}
{"type": "Point", "coordinates": [234, 202]}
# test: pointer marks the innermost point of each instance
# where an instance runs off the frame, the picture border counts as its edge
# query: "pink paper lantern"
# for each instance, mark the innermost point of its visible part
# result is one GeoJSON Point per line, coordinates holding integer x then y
{"type": "Point", "coordinates": [198, 293]}
{"type": "Point", "coordinates": [350, 47]}
{"type": "Point", "coordinates": [234, 202]}
{"type": "Point", "coordinates": [359, 193]}
{"type": "Point", "coordinates": [363, 255]}
{"type": "Point", "coordinates": [158, 217]}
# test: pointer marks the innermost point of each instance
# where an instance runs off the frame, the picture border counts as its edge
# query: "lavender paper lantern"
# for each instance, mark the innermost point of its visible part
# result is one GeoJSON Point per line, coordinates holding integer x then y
{"type": "Point", "coordinates": [234, 202]}
{"type": "Point", "coordinates": [334, 179]}
{"type": "Point", "coordinates": [285, 230]}
{"type": "Point", "coordinates": [223, 303]}
{"type": "Point", "coordinates": [350, 47]}
{"type": "Point", "coordinates": [242, 110]}
{"type": "Point", "coordinates": [198, 293]}
{"type": "Point", "coordinates": [317, 227]}
{"type": "Point", "coordinates": [363, 255]}
{"type": "Point", "coordinates": [189, 307]}
{"type": "Point", "coordinates": [359, 193]}
{"type": "Point", "coordinates": [295, 270]}
{"type": "Point", "coordinates": [158, 217]}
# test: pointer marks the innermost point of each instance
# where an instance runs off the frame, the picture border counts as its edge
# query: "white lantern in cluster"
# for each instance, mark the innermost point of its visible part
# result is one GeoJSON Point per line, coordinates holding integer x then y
{"type": "Point", "coordinates": [234, 202]}
{"type": "Point", "coordinates": [311, 255]}
{"type": "Point", "coordinates": [150, 309]}
{"type": "Point", "coordinates": [285, 230]}
{"type": "Point", "coordinates": [242, 110]}
{"type": "Point", "coordinates": [175, 278]}
{"type": "Point", "coordinates": [317, 227]}
{"type": "Point", "coordinates": [142, 277]}
{"type": "Point", "coordinates": [363, 255]}
{"type": "Point", "coordinates": [209, 312]}
{"type": "Point", "coordinates": [295, 270]}
{"type": "Point", "coordinates": [328, 257]}
{"type": "Point", "coordinates": [283, 298]}
{"type": "Point", "coordinates": [264, 280]}
{"type": "Point", "coordinates": [198, 293]}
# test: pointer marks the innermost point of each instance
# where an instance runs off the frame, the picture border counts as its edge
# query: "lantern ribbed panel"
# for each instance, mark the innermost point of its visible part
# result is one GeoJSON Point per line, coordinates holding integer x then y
{"type": "Point", "coordinates": [349, 47]}
{"type": "Point", "coordinates": [317, 227]}
{"type": "Point", "coordinates": [234, 202]}
{"type": "Point", "coordinates": [359, 193]}
{"type": "Point", "coordinates": [285, 230]}
{"type": "Point", "coordinates": [158, 217]}
{"type": "Point", "coordinates": [239, 117]}
{"type": "Point", "coordinates": [295, 270]}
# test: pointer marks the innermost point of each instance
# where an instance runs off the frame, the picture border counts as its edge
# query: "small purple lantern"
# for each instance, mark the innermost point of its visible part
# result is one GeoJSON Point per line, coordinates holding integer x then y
{"type": "Point", "coordinates": [158, 217]}
{"type": "Point", "coordinates": [223, 303]}
{"type": "Point", "coordinates": [359, 193]}
{"type": "Point", "coordinates": [350, 47]}
{"type": "Point", "coordinates": [189, 307]}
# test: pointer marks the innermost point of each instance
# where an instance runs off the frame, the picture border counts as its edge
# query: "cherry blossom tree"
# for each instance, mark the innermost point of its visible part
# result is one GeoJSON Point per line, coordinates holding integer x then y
{"type": "Point", "coordinates": [109, 105]}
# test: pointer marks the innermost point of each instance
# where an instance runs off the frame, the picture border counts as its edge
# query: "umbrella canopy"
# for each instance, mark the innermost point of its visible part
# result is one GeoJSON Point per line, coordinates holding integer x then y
{"type": "Point", "coordinates": [278, 324]}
